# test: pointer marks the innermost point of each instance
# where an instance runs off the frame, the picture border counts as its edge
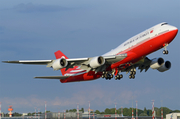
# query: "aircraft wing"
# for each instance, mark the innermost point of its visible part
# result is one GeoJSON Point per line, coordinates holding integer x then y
{"type": "Point", "coordinates": [45, 62]}
{"type": "Point", "coordinates": [143, 64]}
{"type": "Point", "coordinates": [108, 61]}
{"type": "Point", "coordinates": [87, 64]}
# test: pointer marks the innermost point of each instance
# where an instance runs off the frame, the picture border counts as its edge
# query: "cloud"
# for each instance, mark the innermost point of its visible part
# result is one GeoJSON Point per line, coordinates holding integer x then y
{"type": "Point", "coordinates": [97, 97]}
{"type": "Point", "coordinates": [31, 8]}
{"type": "Point", "coordinates": [100, 97]}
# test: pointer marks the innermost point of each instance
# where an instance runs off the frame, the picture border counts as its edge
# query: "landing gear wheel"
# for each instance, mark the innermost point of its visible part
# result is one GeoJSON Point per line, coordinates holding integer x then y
{"type": "Point", "coordinates": [103, 72]}
{"type": "Point", "coordinates": [134, 73]}
{"type": "Point", "coordinates": [118, 77]}
{"type": "Point", "coordinates": [165, 51]}
{"type": "Point", "coordinates": [106, 76]}
{"type": "Point", "coordinates": [131, 72]}
{"type": "Point", "coordinates": [121, 76]}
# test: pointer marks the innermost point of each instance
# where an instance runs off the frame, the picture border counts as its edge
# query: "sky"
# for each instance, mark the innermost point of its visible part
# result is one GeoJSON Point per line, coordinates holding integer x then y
{"type": "Point", "coordinates": [34, 30]}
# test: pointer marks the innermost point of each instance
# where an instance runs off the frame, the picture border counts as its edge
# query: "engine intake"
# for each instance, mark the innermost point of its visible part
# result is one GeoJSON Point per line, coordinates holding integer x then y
{"type": "Point", "coordinates": [59, 64]}
{"type": "Point", "coordinates": [157, 63]}
{"type": "Point", "coordinates": [166, 66]}
{"type": "Point", "coordinates": [97, 61]}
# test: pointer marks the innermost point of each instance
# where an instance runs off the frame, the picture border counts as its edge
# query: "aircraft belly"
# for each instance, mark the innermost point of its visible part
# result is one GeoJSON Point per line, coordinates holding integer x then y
{"type": "Point", "coordinates": [82, 77]}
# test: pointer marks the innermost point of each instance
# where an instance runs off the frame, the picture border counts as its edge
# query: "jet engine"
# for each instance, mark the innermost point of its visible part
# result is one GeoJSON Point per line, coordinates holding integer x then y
{"type": "Point", "coordinates": [166, 66]}
{"type": "Point", "coordinates": [59, 64]}
{"type": "Point", "coordinates": [156, 63]}
{"type": "Point", "coordinates": [97, 61]}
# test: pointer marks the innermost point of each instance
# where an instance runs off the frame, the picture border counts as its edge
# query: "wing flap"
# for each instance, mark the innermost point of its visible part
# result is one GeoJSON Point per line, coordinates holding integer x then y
{"type": "Point", "coordinates": [77, 59]}
{"type": "Point", "coordinates": [115, 58]}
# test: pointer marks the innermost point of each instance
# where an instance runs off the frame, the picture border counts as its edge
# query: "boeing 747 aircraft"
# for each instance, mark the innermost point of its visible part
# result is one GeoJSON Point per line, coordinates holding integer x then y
{"type": "Point", "coordinates": [127, 57]}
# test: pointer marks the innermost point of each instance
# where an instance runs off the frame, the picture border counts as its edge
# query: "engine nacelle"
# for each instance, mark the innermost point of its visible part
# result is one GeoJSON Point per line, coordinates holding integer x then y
{"type": "Point", "coordinates": [157, 63]}
{"type": "Point", "coordinates": [97, 61]}
{"type": "Point", "coordinates": [166, 66]}
{"type": "Point", "coordinates": [59, 64]}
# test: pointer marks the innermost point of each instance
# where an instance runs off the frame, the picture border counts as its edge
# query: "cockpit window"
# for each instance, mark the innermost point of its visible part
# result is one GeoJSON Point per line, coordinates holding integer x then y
{"type": "Point", "coordinates": [163, 24]}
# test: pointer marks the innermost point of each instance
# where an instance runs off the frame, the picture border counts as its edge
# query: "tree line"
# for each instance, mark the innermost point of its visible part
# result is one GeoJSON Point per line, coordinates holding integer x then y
{"type": "Point", "coordinates": [126, 112]}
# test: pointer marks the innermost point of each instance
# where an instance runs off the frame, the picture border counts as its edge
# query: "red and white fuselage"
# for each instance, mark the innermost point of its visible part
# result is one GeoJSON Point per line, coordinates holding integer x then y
{"type": "Point", "coordinates": [136, 48]}
{"type": "Point", "coordinates": [125, 58]}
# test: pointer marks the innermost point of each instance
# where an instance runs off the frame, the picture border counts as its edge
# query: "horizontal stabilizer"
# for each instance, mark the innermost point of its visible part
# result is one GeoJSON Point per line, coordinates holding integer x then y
{"type": "Point", "coordinates": [52, 77]}
{"type": "Point", "coordinates": [38, 62]}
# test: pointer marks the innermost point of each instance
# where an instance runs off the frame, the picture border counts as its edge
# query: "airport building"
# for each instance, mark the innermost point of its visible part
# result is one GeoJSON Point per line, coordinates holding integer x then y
{"type": "Point", "coordinates": [173, 116]}
{"type": "Point", "coordinates": [80, 115]}
{"type": "Point", "coordinates": [74, 115]}
{"type": "Point", "coordinates": [62, 115]}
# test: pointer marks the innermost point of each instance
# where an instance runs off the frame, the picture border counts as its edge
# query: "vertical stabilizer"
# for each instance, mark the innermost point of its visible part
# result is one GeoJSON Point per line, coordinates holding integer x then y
{"type": "Point", "coordinates": [58, 55]}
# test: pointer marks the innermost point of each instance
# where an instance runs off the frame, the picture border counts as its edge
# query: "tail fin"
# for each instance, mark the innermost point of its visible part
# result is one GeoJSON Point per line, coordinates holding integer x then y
{"type": "Point", "coordinates": [58, 55]}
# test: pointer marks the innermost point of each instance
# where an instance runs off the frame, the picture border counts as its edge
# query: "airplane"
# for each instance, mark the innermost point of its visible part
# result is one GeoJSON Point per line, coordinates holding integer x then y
{"type": "Point", "coordinates": [128, 56]}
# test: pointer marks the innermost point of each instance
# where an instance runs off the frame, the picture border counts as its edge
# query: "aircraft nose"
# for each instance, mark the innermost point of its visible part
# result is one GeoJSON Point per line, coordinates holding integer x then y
{"type": "Point", "coordinates": [174, 31]}
{"type": "Point", "coordinates": [174, 28]}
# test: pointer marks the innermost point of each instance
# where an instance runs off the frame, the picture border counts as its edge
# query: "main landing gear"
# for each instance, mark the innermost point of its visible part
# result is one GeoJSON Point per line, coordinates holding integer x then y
{"type": "Point", "coordinates": [118, 77]}
{"type": "Point", "coordinates": [108, 75]}
{"type": "Point", "coordinates": [132, 74]}
{"type": "Point", "coordinates": [165, 51]}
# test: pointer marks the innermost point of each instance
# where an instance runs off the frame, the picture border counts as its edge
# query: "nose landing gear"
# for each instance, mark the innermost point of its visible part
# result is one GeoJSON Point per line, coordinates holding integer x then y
{"type": "Point", "coordinates": [165, 51]}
